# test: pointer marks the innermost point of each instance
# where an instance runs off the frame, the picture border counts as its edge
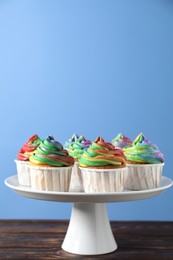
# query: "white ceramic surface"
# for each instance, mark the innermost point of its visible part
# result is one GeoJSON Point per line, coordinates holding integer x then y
{"type": "Point", "coordinates": [126, 195]}
{"type": "Point", "coordinates": [89, 231]}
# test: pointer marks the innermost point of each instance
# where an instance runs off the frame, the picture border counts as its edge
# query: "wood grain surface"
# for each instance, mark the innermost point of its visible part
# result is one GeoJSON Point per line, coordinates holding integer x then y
{"type": "Point", "coordinates": [42, 239]}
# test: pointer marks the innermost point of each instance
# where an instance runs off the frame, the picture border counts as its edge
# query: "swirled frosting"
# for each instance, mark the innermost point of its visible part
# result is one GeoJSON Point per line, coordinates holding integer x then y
{"type": "Point", "coordinates": [143, 151]}
{"type": "Point", "coordinates": [29, 147]}
{"type": "Point", "coordinates": [121, 141]}
{"type": "Point", "coordinates": [71, 141]}
{"type": "Point", "coordinates": [102, 154]}
{"type": "Point", "coordinates": [78, 147]}
{"type": "Point", "coordinates": [51, 153]}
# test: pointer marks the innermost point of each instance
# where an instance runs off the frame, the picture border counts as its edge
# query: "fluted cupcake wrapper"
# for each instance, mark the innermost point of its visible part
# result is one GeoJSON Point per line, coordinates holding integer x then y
{"type": "Point", "coordinates": [143, 176]}
{"type": "Point", "coordinates": [103, 180]}
{"type": "Point", "coordinates": [76, 183]}
{"type": "Point", "coordinates": [23, 173]}
{"type": "Point", "coordinates": [50, 178]}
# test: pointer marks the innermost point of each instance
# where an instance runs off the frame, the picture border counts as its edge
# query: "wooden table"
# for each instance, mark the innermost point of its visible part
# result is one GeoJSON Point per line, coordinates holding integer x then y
{"type": "Point", "coordinates": [42, 239]}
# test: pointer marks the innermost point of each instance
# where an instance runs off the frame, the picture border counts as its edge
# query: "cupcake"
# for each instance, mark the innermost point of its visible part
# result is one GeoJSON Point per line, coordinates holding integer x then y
{"type": "Point", "coordinates": [78, 147]}
{"type": "Point", "coordinates": [145, 164]}
{"type": "Point", "coordinates": [50, 166]}
{"type": "Point", "coordinates": [102, 167]}
{"type": "Point", "coordinates": [121, 141]}
{"type": "Point", "coordinates": [71, 141]}
{"type": "Point", "coordinates": [76, 150]}
{"type": "Point", "coordinates": [22, 160]}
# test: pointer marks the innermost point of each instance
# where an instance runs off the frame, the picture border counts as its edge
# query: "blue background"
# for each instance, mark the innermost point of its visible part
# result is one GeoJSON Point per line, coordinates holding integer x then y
{"type": "Point", "coordinates": [96, 67]}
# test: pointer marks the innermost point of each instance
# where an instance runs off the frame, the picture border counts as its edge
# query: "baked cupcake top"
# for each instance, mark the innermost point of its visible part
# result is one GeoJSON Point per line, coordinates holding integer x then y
{"type": "Point", "coordinates": [142, 151]}
{"type": "Point", "coordinates": [78, 147]}
{"type": "Point", "coordinates": [102, 154]}
{"type": "Point", "coordinates": [121, 141]}
{"type": "Point", "coordinates": [29, 147]}
{"type": "Point", "coordinates": [51, 153]}
{"type": "Point", "coordinates": [71, 141]}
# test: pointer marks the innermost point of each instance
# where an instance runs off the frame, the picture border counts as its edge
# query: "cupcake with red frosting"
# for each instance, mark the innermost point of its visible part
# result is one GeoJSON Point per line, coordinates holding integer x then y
{"type": "Point", "coordinates": [103, 167]}
{"type": "Point", "coordinates": [51, 166]}
{"type": "Point", "coordinates": [76, 149]}
{"type": "Point", "coordinates": [22, 160]}
{"type": "Point", "coordinates": [145, 164]}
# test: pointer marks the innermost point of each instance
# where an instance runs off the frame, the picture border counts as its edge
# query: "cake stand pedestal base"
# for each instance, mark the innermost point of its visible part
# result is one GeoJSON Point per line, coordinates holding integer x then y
{"type": "Point", "coordinates": [89, 231]}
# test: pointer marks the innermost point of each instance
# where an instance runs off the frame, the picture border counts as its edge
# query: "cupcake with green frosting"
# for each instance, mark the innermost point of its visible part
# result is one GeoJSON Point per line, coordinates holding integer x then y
{"type": "Point", "coordinates": [145, 164]}
{"type": "Point", "coordinates": [76, 149]}
{"type": "Point", "coordinates": [51, 166]}
{"type": "Point", "coordinates": [102, 167]}
{"type": "Point", "coordinates": [71, 141]}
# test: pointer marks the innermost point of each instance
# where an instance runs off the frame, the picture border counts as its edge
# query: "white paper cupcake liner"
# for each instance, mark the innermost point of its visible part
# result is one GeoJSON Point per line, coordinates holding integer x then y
{"type": "Point", "coordinates": [23, 173]}
{"type": "Point", "coordinates": [103, 180]}
{"type": "Point", "coordinates": [76, 183]}
{"type": "Point", "coordinates": [50, 178]}
{"type": "Point", "coordinates": [143, 176]}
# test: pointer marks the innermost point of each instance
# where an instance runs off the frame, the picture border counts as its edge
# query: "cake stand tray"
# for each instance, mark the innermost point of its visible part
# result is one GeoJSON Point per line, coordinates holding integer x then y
{"type": "Point", "coordinates": [89, 231]}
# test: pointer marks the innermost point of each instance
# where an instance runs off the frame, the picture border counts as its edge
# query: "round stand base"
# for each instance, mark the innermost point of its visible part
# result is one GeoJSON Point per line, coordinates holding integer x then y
{"type": "Point", "coordinates": [89, 231]}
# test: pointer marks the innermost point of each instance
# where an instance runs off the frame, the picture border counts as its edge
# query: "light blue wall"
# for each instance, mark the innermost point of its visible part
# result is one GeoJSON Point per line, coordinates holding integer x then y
{"type": "Point", "coordinates": [96, 67]}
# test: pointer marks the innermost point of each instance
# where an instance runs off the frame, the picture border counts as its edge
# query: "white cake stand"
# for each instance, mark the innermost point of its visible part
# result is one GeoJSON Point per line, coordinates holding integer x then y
{"type": "Point", "coordinates": [89, 231]}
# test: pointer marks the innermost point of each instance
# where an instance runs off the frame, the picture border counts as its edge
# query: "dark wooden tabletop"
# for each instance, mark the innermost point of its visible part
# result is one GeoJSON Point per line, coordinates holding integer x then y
{"type": "Point", "coordinates": [42, 239]}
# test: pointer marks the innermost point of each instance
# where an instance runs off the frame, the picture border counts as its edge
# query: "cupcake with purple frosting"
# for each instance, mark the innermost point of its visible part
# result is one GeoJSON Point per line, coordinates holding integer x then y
{"type": "Point", "coordinates": [145, 164]}
{"type": "Point", "coordinates": [76, 150]}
